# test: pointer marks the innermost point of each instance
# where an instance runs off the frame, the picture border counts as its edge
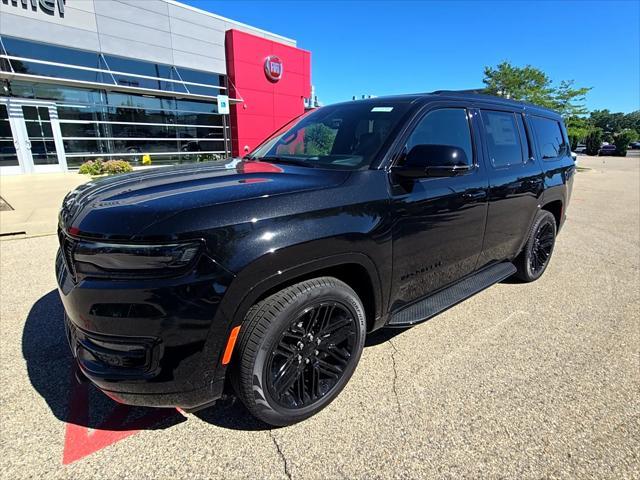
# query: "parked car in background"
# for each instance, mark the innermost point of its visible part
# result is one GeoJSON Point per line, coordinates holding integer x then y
{"type": "Point", "coordinates": [268, 276]}
{"type": "Point", "coordinates": [634, 145]}
{"type": "Point", "coordinates": [581, 148]}
{"type": "Point", "coordinates": [607, 150]}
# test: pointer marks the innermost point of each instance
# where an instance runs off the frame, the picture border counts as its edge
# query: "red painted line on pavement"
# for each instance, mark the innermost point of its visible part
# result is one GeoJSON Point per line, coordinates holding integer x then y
{"type": "Point", "coordinates": [81, 441]}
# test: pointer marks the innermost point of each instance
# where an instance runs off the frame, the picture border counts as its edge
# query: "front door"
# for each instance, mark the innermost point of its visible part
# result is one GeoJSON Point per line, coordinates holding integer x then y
{"type": "Point", "coordinates": [36, 145]}
{"type": "Point", "coordinates": [438, 222]}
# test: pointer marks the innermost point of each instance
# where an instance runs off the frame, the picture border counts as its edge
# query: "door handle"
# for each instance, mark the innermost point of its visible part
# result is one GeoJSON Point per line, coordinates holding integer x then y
{"type": "Point", "coordinates": [477, 195]}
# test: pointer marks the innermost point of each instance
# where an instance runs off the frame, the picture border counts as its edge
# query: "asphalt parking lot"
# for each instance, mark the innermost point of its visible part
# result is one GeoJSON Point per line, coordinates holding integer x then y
{"type": "Point", "coordinates": [520, 381]}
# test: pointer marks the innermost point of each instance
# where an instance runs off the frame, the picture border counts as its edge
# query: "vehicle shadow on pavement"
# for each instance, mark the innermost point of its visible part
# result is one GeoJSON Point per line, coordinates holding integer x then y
{"type": "Point", "coordinates": [50, 368]}
{"type": "Point", "coordinates": [383, 335]}
{"type": "Point", "coordinates": [230, 413]}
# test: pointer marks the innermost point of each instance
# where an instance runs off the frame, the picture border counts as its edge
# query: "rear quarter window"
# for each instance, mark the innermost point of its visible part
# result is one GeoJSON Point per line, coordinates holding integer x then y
{"type": "Point", "coordinates": [549, 138]}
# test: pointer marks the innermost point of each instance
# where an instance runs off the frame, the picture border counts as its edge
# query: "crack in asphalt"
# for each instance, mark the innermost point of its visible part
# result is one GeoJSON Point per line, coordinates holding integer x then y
{"type": "Point", "coordinates": [282, 456]}
{"type": "Point", "coordinates": [395, 377]}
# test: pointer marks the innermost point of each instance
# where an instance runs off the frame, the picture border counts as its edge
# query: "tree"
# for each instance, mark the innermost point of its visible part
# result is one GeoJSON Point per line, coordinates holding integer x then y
{"type": "Point", "coordinates": [613, 123]}
{"type": "Point", "coordinates": [593, 141]}
{"type": "Point", "coordinates": [569, 100]}
{"type": "Point", "coordinates": [607, 121]}
{"type": "Point", "coordinates": [532, 85]}
{"type": "Point", "coordinates": [621, 140]}
{"type": "Point", "coordinates": [577, 129]}
{"type": "Point", "coordinates": [527, 83]}
{"type": "Point", "coordinates": [632, 121]}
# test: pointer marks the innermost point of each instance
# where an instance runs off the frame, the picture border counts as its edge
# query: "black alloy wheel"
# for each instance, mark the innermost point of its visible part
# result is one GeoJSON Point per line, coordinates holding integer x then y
{"type": "Point", "coordinates": [542, 246]}
{"type": "Point", "coordinates": [312, 355]}
{"type": "Point", "coordinates": [297, 349]}
{"type": "Point", "coordinates": [536, 254]}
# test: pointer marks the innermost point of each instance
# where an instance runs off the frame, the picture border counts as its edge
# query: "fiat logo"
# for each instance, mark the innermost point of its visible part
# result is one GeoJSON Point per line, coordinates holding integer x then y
{"type": "Point", "coordinates": [273, 68]}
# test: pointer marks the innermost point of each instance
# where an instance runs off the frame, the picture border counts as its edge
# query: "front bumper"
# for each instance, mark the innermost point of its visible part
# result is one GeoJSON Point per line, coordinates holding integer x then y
{"type": "Point", "coordinates": [149, 342]}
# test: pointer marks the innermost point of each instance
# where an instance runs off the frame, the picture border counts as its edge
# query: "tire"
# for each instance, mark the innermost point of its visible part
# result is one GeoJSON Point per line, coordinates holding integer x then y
{"type": "Point", "coordinates": [536, 254]}
{"type": "Point", "coordinates": [280, 344]}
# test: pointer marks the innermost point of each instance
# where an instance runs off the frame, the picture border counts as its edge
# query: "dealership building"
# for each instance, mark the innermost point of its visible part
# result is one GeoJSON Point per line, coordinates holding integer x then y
{"type": "Point", "coordinates": [121, 79]}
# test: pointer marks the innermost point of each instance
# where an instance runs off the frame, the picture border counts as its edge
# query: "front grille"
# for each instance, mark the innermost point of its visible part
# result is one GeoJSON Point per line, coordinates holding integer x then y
{"type": "Point", "coordinates": [68, 245]}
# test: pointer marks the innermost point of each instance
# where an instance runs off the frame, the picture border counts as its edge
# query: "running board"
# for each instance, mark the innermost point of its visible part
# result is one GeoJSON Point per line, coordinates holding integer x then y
{"type": "Point", "coordinates": [447, 298]}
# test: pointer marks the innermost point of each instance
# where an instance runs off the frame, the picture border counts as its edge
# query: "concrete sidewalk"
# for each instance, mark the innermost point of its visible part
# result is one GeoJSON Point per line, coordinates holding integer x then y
{"type": "Point", "coordinates": [35, 200]}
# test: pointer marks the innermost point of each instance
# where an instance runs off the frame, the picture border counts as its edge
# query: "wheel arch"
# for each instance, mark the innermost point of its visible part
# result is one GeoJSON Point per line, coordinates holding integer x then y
{"type": "Point", "coordinates": [355, 269]}
{"type": "Point", "coordinates": [353, 274]}
{"type": "Point", "coordinates": [555, 207]}
{"type": "Point", "coordinates": [244, 291]}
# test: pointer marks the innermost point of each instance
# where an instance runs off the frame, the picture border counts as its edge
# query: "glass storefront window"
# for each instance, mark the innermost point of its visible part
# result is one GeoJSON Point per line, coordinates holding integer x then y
{"type": "Point", "coordinates": [197, 76]}
{"type": "Point", "coordinates": [194, 106]}
{"type": "Point", "coordinates": [141, 146]}
{"type": "Point", "coordinates": [80, 129]}
{"type": "Point", "coordinates": [158, 159]}
{"type": "Point", "coordinates": [4, 64]}
{"type": "Point", "coordinates": [48, 91]}
{"type": "Point", "coordinates": [143, 102]}
{"type": "Point", "coordinates": [128, 81]}
{"type": "Point", "coordinates": [80, 112]}
{"type": "Point", "coordinates": [42, 144]}
{"type": "Point", "coordinates": [120, 64]}
{"type": "Point", "coordinates": [32, 68]}
{"type": "Point", "coordinates": [110, 69]}
{"type": "Point", "coordinates": [85, 146]}
{"type": "Point", "coordinates": [51, 53]}
{"type": "Point", "coordinates": [115, 124]}
{"type": "Point", "coordinates": [8, 156]}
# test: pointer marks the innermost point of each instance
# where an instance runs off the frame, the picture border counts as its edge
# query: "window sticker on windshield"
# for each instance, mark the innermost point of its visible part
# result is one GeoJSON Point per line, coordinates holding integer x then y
{"type": "Point", "coordinates": [382, 109]}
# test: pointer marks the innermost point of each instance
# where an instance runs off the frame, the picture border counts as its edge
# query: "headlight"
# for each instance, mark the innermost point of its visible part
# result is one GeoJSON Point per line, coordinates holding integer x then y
{"type": "Point", "coordinates": [95, 258]}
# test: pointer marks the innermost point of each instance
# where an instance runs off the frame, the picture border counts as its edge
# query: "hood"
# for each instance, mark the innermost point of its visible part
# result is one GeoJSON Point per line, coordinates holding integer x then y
{"type": "Point", "coordinates": [125, 205]}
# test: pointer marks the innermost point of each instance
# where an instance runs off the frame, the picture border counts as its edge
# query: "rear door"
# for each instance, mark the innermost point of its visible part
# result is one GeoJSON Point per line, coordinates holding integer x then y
{"type": "Point", "coordinates": [515, 183]}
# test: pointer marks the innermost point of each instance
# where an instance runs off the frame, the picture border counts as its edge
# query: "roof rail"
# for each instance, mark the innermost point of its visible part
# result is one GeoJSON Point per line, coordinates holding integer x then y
{"type": "Point", "coordinates": [483, 93]}
{"type": "Point", "coordinates": [476, 91]}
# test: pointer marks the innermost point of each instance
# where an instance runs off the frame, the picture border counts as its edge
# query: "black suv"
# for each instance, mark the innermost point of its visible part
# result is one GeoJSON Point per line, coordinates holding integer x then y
{"type": "Point", "coordinates": [269, 271]}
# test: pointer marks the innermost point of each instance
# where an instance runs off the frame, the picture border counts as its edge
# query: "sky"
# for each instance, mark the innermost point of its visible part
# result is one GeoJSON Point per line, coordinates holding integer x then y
{"type": "Point", "coordinates": [386, 47]}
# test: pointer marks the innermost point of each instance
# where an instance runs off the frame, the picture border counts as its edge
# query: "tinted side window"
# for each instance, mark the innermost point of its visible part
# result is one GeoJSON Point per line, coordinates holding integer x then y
{"type": "Point", "coordinates": [549, 138]}
{"type": "Point", "coordinates": [503, 138]}
{"type": "Point", "coordinates": [448, 126]}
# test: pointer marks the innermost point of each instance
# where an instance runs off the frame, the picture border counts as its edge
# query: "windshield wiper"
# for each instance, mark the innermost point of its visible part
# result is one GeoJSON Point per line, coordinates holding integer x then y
{"type": "Point", "coordinates": [291, 161]}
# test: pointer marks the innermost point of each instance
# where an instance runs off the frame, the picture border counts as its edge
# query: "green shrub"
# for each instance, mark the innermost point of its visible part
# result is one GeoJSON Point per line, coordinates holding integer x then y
{"type": "Point", "coordinates": [91, 167]}
{"type": "Point", "coordinates": [593, 141]}
{"type": "Point", "coordinates": [112, 167]}
{"type": "Point", "coordinates": [621, 141]}
{"type": "Point", "coordinates": [208, 157]}
{"type": "Point", "coordinates": [100, 167]}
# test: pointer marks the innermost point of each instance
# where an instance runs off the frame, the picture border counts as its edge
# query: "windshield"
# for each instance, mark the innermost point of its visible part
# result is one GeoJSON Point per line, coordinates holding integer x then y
{"type": "Point", "coordinates": [346, 136]}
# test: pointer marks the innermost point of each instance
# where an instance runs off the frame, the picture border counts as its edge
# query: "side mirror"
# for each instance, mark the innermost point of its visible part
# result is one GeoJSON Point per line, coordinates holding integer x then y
{"type": "Point", "coordinates": [433, 161]}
